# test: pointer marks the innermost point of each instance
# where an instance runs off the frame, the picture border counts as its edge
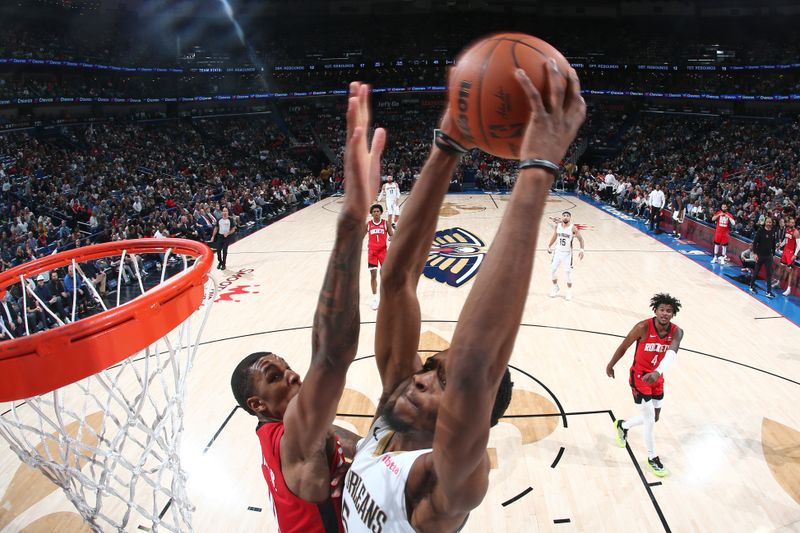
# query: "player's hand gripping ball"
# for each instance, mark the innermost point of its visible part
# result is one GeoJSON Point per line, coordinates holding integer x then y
{"type": "Point", "coordinates": [492, 109]}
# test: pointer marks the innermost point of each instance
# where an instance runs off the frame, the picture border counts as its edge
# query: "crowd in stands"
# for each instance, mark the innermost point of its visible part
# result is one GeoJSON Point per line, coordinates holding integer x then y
{"type": "Point", "coordinates": [751, 165]}
{"type": "Point", "coordinates": [112, 182]}
{"type": "Point", "coordinates": [119, 181]}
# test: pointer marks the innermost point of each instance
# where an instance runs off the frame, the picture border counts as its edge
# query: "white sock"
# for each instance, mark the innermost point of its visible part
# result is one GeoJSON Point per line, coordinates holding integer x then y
{"type": "Point", "coordinates": [716, 250]}
{"type": "Point", "coordinates": [633, 422]}
{"type": "Point", "coordinates": [724, 250]}
{"type": "Point", "coordinates": [649, 415]}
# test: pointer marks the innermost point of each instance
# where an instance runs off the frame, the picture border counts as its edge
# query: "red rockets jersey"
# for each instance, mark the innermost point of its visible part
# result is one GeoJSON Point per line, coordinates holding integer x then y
{"type": "Point", "coordinates": [724, 221]}
{"type": "Point", "coordinates": [651, 351]}
{"type": "Point", "coordinates": [376, 235]}
{"type": "Point", "coordinates": [293, 514]}
{"type": "Point", "coordinates": [791, 242]}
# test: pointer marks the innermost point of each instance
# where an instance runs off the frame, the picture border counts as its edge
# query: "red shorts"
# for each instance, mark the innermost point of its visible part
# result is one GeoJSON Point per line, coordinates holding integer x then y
{"type": "Point", "coordinates": [721, 237]}
{"type": "Point", "coordinates": [376, 257]}
{"type": "Point", "coordinates": [787, 258]}
{"type": "Point", "coordinates": [644, 391]}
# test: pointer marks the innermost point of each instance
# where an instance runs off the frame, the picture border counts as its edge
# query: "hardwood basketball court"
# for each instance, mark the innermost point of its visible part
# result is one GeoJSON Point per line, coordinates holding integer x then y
{"type": "Point", "coordinates": [729, 430]}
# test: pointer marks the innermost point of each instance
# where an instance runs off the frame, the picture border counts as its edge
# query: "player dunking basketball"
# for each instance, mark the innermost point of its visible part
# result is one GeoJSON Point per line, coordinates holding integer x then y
{"type": "Point", "coordinates": [300, 454]}
{"type": "Point", "coordinates": [565, 232]}
{"type": "Point", "coordinates": [378, 233]}
{"type": "Point", "coordinates": [391, 191]}
{"type": "Point", "coordinates": [657, 342]}
{"type": "Point", "coordinates": [423, 465]}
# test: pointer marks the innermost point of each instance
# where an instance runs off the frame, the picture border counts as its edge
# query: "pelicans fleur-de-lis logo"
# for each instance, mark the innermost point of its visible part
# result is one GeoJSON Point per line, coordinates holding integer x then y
{"type": "Point", "coordinates": [455, 257]}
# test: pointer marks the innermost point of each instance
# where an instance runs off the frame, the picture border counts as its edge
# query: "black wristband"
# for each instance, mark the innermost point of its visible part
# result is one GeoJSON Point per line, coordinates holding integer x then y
{"type": "Point", "coordinates": [540, 163]}
{"type": "Point", "coordinates": [447, 144]}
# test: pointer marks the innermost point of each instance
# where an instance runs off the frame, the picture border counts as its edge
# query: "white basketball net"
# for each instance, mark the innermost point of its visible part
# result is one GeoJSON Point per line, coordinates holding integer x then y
{"type": "Point", "coordinates": [112, 441]}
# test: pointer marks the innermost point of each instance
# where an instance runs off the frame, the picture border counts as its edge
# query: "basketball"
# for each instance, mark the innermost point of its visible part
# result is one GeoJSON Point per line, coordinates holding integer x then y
{"type": "Point", "coordinates": [492, 109]}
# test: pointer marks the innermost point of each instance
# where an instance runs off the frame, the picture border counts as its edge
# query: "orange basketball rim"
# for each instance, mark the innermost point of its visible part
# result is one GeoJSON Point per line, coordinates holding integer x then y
{"type": "Point", "coordinates": [45, 361]}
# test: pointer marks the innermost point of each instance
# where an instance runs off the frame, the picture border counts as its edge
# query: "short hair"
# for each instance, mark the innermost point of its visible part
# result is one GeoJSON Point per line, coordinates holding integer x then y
{"type": "Point", "coordinates": [241, 384]}
{"type": "Point", "coordinates": [376, 206]}
{"type": "Point", "coordinates": [566, 213]}
{"type": "Point", "coordinates": [663, 298]}
{"type": "Point", "coordinates": [502, 399]}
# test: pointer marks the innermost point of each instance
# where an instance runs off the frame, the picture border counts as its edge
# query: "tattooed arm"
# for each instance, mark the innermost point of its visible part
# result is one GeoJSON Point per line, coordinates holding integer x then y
{"type": "Point", "coordinates": [334, 337]}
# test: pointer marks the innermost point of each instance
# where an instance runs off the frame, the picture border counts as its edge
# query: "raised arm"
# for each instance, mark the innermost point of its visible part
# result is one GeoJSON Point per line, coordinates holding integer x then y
{"type": "Point", "coordinates": [637, 333]}
{"type": "Point", "coordinates": [334, 341]}
{"type": "Point", "coordinates": [398, 323]}
{"type": "Point", "coordinates": [488, 325]}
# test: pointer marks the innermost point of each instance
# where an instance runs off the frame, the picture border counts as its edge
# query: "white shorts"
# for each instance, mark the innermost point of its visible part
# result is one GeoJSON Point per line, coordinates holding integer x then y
{"type": "Point", "coordinates": [559, 259]}
{"type": "Point", "coordinates": [392, 208]}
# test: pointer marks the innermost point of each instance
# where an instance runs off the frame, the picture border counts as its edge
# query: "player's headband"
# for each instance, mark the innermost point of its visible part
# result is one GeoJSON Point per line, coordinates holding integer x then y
{"type": "Point", "coordinates": [566, 213]}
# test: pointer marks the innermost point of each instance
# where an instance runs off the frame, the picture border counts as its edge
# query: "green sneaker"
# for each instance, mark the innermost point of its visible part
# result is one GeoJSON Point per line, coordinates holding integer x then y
{"type": "Point", "coordinates": [657, 468]}
{"type": "Point", "coordinates": [622, 433]}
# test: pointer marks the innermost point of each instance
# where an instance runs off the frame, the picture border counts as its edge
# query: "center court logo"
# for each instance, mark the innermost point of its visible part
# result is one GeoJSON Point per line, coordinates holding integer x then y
{"type": "Point", "coordinates": [229, 289]}
{"type": "Point", "coordinates": [455, 257]}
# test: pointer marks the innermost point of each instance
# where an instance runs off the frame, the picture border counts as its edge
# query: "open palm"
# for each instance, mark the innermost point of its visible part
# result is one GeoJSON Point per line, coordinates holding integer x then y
{"type": "Point", "coordinates": [362, 163]}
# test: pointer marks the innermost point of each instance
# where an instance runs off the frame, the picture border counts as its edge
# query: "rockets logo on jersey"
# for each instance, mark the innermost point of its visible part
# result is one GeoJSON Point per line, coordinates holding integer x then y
{"type": "Point", "coordinates": [724, 221]}
{"type": "Point", "coordinates": [656, 347]}
{"type": "Point", "coordinates": [455, 257]}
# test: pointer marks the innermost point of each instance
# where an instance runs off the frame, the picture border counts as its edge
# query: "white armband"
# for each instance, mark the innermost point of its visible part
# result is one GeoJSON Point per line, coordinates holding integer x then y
{"type": "Point", "coordinates": [668, 359]}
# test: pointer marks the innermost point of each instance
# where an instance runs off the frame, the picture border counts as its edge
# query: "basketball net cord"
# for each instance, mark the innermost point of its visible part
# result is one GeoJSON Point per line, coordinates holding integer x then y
{"type": "Point", "coordinates": [112, 441]}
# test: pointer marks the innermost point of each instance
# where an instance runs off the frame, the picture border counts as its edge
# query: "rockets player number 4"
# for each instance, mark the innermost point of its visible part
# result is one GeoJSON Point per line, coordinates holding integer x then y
{"type": "Point", "coordinates": [657, 342]}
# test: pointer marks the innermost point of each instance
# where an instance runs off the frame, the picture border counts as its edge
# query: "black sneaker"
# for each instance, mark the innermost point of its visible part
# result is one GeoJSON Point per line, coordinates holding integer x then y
{"type": "Point", "coordinates": [769, 294]}
{"type": "Point", "coordinates": [752, 289]}
{"type": "Point", "coordinates": [622, 433]}
{"type": "Point", "coordinates": [658, 469]}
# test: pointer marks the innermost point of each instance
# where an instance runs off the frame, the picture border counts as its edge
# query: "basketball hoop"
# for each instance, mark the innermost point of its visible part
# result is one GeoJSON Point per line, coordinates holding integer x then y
{"type": "Point", "coordinates": [98, 421]}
